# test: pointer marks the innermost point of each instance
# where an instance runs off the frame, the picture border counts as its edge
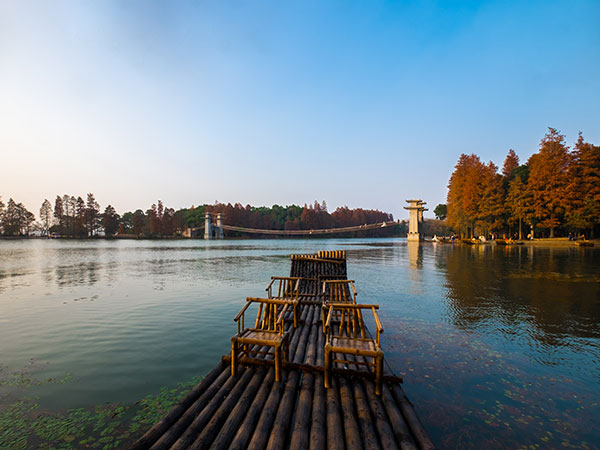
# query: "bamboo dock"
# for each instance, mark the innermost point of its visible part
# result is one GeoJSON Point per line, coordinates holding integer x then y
{"type": "Point", "coordinates": [252, 410]}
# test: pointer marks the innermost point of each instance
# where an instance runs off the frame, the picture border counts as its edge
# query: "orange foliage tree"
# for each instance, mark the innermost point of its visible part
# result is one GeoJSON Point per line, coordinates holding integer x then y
{"type": "Point", "coordinates": [549, 181]}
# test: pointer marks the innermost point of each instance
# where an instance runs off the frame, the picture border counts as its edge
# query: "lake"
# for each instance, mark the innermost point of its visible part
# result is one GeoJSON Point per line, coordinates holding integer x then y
{"type": "Point", "coordinates": [498, 346]}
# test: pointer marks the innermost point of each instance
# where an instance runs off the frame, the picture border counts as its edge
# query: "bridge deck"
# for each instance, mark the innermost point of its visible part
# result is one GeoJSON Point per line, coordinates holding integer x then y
{"type": "Point", "coordinates": [251, 410]}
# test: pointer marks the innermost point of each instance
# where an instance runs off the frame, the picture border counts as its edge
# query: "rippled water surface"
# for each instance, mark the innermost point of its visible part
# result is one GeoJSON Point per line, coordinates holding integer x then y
{"type": "Point", "coordinates": [498, 347]}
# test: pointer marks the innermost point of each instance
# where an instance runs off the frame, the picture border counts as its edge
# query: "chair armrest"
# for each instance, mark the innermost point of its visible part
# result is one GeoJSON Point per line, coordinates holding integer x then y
{"type": "Point", "coordinates": [377, 321]}
{"type": "Point", "coordinates": [281, 314]}
{"type": "Point", "coordinates": [246, 306]}
{"type": "Point", "coordinates": [328, 321]}
{"type": "Point", "coordinates": [353, 290]}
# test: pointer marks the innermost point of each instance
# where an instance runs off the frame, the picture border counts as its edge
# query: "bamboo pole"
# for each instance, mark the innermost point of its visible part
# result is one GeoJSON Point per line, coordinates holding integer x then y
{"type": "Point", "coordinates": [318, 429]}
{"type": "Point", "coordinates": [240, 396]}
{"type": "Point", "coordinates": [402, 432]}
{"type": "Point", "coordinates": [300, 437]}
{"type": "Point", "coordinates": [284, 413]}
{"type": "Point", "coordinates": [382, 423]}
{"type": "Point", "coordinates": [419, 432]}
{"type": "Point", "coordinates": [369, 435]}
{"type": "Point", "coordinates": [203, 416]}
{"type": "Point", "coordinates": [179, 427]}
{"type": "Point", "coordinates": [335, 431]}
{"type": "Point", "coordinates": [263, 427]}
{"type": "Point", "coordinates": [154, 433]}
{"type": "Point", "coordinates": [246, 428]}
{"type": "Point", "coordinates": [353, 439]}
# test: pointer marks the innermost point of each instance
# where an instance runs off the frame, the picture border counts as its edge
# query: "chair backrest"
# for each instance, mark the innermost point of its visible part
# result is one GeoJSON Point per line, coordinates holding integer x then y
{"type": "Point", "coordinates": [351, 322]}
{"type": "Point", "coordinates": [269, 315]}
{"type": "Point", "coordinates": [338, 291]}
{"type": "Point", "coordinates": [286, 287]}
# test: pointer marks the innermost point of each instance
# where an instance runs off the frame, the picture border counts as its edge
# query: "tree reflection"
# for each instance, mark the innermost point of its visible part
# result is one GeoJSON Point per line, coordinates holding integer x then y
{"type": "Point", "coordinates": [551, 294]}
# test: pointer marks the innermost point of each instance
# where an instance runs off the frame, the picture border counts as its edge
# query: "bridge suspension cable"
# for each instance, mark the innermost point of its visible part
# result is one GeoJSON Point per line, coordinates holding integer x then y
{"type": "Point", "coordinates": [310, 232]}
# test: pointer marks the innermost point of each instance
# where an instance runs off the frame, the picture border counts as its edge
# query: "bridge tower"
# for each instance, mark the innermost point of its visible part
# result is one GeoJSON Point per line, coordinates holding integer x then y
{"type": "Point", "coordinates": [415, 218]}
{"type": "Point", "coordinates": [213, 230]}
{"type": "Point", "coordinates": [208, 232]}
{"type": "Point", "coordinates": [219, 228]}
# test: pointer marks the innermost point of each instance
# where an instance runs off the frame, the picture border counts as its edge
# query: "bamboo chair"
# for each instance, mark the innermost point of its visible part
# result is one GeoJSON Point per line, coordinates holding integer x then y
{"type": "Point", "coordinates": [350, 338]}
{"type": "Point", "coordinates": [336, 291]}
{"type": "Point", "coordinates": [268, 331]}
{"type": "Point", "coordinates": [288, 291]}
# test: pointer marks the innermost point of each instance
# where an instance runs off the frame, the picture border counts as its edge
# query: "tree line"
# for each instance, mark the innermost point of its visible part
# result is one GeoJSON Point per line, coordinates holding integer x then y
{"type": "Point", "coordinates": [72, 216]}
{"type": "Point", "coordinates": [555, 193]}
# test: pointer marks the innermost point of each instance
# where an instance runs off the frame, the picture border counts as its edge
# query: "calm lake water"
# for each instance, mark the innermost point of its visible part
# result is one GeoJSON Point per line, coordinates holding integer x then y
{"type": "Point", "coordinates": [498, 347]}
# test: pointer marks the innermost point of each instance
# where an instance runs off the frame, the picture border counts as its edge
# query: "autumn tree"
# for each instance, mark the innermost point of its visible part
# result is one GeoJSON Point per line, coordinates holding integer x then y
{"type": "Point", "coordinates": [464, 192]}
{"type": "Point", "coordinates": [490, 208]}
{"type": "Point", "coordinates": [549, 181]}
{"type": "Point", "coordinates": [518, 203]}
{"type": "Point", "coordinates": [46, 215]}
{"type": "Point", "coordinates": [584, 209]}
{"type": "Point", "coordinates": [510, 164]}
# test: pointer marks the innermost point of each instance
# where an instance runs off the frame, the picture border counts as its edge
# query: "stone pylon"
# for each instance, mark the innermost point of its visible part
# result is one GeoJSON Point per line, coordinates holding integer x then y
{"type": "Point", "coordinates": [208, 232]}
{"type": "Point", "coordinates": [415, 218]}
{"type": "Point", "coordinates": [219, 227]}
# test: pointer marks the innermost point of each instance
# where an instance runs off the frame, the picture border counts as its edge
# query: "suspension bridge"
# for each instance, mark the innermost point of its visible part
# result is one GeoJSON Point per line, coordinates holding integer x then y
{"type": "Point", "coordinates": [214, 229]}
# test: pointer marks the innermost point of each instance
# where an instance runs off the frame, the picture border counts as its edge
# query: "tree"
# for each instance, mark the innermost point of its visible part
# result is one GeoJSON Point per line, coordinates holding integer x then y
{"type": "Point", "coordinates": [92, 214]}
{"type": "Point", "coordinates": [110, 221]}
{"type": "Point", "coordinates": [59, 212]}
{"type": "Point", "coordinates": [80, 218]}
{"type": "Point", "coordinates": [584, 210]}
{"type": "Point", "coordinates": [510, 164]}
{"type": "Point", "coordinates": [549, 180]}
{"type": "Point", "coordinates": [490, 210]}
{"type": "Point", "coordinates": [440, 211]}
{"type": "Point", "coordinates": [67, 214]}
{"type": "Point", "coordinates": [518, 202]}
{"type": "Point", "coordinates": [46, 215]}
{"type": "Point", "coordinates": [138, 222]}
{"type": "Point", "coordinates": [1, 213]}
{"type": "Point", "coordinates": [16, 219]}
{"type": "Point", "coordinates": [464, 194]}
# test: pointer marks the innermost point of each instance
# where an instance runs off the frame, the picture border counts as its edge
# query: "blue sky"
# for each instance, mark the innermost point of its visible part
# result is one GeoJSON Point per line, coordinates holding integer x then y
{"type": "Point", "coordinates": [362, 104]}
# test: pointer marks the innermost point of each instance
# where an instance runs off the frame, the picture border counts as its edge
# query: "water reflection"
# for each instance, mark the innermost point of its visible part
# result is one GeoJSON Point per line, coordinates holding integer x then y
{"type": "Point", "coordinates": [552, 297]}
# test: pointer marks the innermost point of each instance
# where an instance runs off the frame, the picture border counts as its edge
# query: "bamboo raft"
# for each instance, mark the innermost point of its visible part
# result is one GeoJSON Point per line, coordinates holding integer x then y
{"type": "Point", "coordinates": [251, 410]}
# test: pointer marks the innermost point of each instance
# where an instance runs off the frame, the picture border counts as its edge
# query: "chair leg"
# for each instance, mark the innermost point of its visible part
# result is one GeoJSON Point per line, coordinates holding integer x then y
{"type": "Point", "coordinates": [295, 316]}
{"type": "Point", "coordinates": [327, 376]}
{"type": "Point", "coordinates": [277, 363]}
{"type": "Point", "coordinates": [234, 357]}
{"type": "Point", "coordinates": [378, 373]}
